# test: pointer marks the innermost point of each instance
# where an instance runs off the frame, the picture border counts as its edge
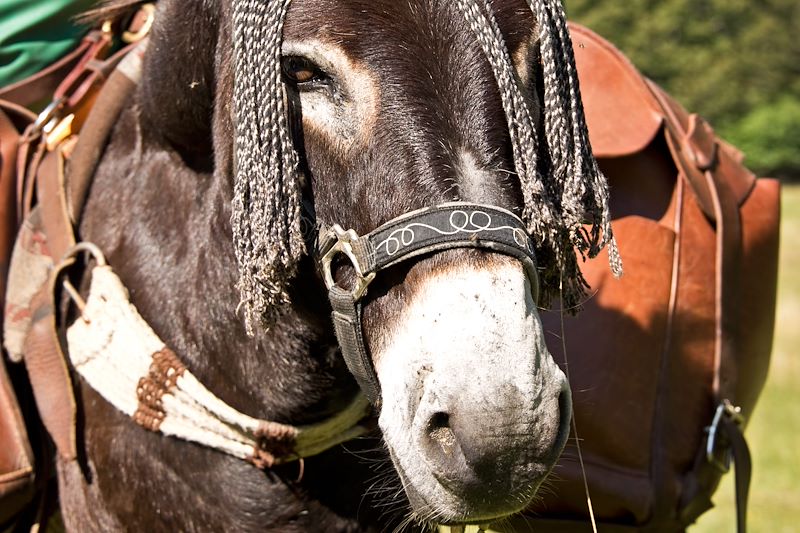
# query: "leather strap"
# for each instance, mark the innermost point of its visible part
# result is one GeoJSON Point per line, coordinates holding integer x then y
{"type": "Point", "coordinates": [73, 98]}
{"type": "Point", "coordinates": [9, 141]}
{"type": "Point", "coordinates": [95, 131]}
{"type": "Point", "coordinates": [87, 73]}
{"type": "Point", "coordinates": [31, 151]}
{"type": "Point", "coordinates": [51, 194]}
{"type": "Point", "coordinates": [728, 253]}
{"type": "Point", "coordinates": [347, 323]}
{"type": "Point", "coordinates": [695, 149]}
{"type": "Point", "coordinates": [728, 258]}
{"type": "Point", "coordinates": [16, 456]}
{"type": "Point", "coordinates": [49, 376]}
{"type": "Point", "coordinates": [41, 86]}
{"type": "Point", "coordinates": [698, 155]}
{"type": "Point", "coordinates": [455, 225]}
{"type": "Point", "coordinates": [742, 472]}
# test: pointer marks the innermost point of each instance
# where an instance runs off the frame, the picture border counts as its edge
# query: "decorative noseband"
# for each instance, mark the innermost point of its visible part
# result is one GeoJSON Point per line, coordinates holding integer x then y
{"type": "Point", "coordinates": [446, 226]}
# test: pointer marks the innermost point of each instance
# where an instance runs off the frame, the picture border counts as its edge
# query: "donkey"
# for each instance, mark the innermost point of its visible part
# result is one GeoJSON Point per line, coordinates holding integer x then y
{"type": "Point", "coordinates": [393, 107]}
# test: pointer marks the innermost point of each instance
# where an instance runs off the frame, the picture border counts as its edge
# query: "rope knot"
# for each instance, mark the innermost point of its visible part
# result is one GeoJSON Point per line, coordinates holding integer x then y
{"type": "Point", "coordinates": [274, 443]}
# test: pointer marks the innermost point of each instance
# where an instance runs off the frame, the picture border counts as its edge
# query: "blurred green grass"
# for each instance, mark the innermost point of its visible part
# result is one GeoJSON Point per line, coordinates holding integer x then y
{"type": "Point", "coordinates": [774, 429]}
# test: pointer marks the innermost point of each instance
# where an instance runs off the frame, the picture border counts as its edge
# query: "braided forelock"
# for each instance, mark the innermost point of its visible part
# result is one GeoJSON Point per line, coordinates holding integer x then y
{"type": "Point", "coordinates": [266, 204]}
{"type": "Point", "coordinates": [560, 189]}
{"type": "Point", "coordinates": [561, 183]}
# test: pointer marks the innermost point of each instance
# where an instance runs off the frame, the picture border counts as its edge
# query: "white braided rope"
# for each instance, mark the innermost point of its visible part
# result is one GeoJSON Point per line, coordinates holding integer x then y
{"type": "Point", "coordinates": [522, 131]}
{"type": "Point", "coordinates": [266, 204]}
{"type": "Point", "coordinates": [112, 348]}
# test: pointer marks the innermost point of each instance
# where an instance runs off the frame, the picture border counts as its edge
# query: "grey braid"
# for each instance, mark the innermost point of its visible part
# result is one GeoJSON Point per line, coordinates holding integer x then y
{"type": "Point", "coordinates": [560, 180]}
{"type": "Point", "coordinates": [266, 203]}
{"type": "Point", "coordinates": [561, 183]}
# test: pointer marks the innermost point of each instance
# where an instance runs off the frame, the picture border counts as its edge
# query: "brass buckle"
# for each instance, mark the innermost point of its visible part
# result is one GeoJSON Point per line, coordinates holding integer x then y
{"type": "Point", "coordinates": [149, 11]}
{"type": "Point", "coordinates": [728, 410]}
{"type": "Point", "coordinates": [59, 132]}
{"type": "Point", "coordinates": [343, 245]}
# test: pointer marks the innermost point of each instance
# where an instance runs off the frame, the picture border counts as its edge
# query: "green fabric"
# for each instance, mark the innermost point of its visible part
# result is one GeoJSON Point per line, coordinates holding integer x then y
{"type": "Point", "coordinates": [35, 33]}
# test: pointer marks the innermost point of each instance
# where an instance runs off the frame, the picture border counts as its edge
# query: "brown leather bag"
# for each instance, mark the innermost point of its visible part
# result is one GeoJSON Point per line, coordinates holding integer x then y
{"type": "Point", "coordinates": [686, 334]}
{"type": "Point", "coordinates": [16, 456]}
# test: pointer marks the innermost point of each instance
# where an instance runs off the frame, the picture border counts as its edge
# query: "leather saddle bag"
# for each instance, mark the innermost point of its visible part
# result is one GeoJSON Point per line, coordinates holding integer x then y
{"type": "Point", "coordinates": [661, 359]}
{"type": "Point", "coordinates": [16, 456]}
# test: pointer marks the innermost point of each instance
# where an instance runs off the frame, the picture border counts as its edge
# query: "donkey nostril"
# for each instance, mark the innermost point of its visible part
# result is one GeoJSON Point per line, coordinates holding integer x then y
{"type": "Point", "coordinates": [565, 418]}
{"type": "Point", "coordinates": [439, 420]}
{"type": "Point", "coordinates": [440, 432]}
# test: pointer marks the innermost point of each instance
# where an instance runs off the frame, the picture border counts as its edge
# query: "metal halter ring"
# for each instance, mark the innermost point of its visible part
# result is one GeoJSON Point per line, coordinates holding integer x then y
{"type": "Point", "coordinates": [344, 245]}
{"type": "Point", "coordinates": [148, 11]}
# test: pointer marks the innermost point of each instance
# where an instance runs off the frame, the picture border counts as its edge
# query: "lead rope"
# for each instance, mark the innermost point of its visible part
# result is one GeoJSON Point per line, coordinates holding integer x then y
{"type": "Point", "coordinates": [575, 424]}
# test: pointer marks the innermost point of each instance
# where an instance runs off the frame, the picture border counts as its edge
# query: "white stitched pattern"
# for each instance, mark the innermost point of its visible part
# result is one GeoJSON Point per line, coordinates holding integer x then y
{"type": "Point", "coordinates": [460, 222]}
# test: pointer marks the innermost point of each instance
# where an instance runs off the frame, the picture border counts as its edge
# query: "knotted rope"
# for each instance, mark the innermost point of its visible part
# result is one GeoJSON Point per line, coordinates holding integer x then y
{"type": "Point", "coordinates": [561, 183]}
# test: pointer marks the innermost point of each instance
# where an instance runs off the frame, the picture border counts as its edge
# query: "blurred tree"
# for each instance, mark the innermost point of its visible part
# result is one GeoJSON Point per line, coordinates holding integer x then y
{"type": "Point", "coordinates": [770, 135]}
{"type": "Point", "coordinates": [736, 62]}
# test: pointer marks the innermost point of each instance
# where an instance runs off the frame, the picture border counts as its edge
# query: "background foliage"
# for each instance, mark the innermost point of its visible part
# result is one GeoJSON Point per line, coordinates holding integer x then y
{"type": "Point", "coordinates": [736, 62]}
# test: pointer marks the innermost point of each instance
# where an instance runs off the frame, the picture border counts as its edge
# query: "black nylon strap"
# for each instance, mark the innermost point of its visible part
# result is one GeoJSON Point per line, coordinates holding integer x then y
{"type": "Point", "coordinates": [742, 468]}
{"type": "Point", "coordinates": [455, 225]}
{"type": "Point", "coordinates": [446, 226]}
{"type": "Point", "coordinates": [347, 323]}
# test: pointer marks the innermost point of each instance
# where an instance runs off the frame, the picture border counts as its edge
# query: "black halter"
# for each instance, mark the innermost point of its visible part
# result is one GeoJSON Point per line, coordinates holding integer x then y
{"type": "Point", "coordinates": [446, 226]}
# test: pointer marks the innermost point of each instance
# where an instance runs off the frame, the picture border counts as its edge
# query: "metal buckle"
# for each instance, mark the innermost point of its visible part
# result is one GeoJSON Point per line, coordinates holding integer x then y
{"type": "Point", "coordinates": [149, 11]}
{"type": "Point", "coordinates": [728, 410]}
{"type": "Point", "coordinates": [60, 131]}
{"type": "Point", "coordinates": [343, 245]}
{"type": "Point", "coordinates": [54, 127]}
{"type": "Point", "coordinates": [48, 118]}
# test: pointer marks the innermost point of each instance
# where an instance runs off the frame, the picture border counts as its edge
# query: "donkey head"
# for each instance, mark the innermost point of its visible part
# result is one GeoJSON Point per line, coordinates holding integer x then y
{"type": "Point", "coordinates": [354, 112]}
{"type": "Point", "coordinates": [396, 107]}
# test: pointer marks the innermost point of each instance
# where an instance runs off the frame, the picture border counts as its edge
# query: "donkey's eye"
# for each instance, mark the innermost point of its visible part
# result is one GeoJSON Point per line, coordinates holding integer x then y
{"type": "Point", "coordinates": [301, 71]}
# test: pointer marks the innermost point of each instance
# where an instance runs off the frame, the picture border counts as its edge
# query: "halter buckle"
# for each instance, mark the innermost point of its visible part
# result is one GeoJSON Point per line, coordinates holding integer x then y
{"type": "Point", "coordinates": [343, 244]}
{"type": "Point", "coordinates": [141, 24]}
